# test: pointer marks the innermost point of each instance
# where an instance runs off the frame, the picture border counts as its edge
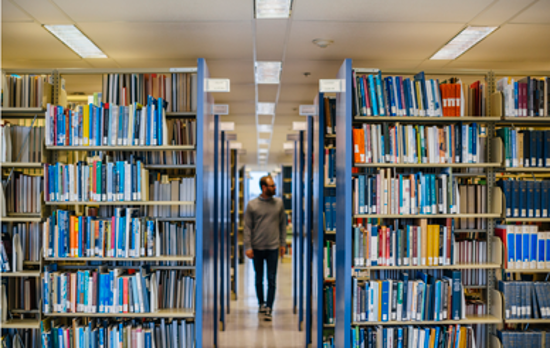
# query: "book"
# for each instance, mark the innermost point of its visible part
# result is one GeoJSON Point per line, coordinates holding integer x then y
{"type": "Point", "coordinates": [26, 91]}
{"type": "Point", "coordinates": [526, 198]}
{"type": "Point", "coordinates": [525, 148]}
{"type": "Point", "coordinates": [23, 193]}
{"type": "Point", "coordinates": [524, 97]}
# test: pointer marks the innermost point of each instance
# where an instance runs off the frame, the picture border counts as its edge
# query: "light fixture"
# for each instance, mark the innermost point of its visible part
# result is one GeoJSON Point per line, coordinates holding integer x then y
{"type": "Point", "coordinates": [265, 128]}
{"type": "Point", "coordinates": [267, 72]}
{"type": "Point", "coordinates": [263, 151]}
{"type": "Point", "coordinates": [265, 146]}
{"type": "Point", "coordinates": [76, 40]}
{"type": "Point", "coordinates": [265, 108]}
{"type": "Point", "coordinates": [323, 43]}
{"type": "Point", "coordinates": [465, 40]}
{"type": "Point", "coordinates": [263, 141]}
{"type": "Point", "coordinates": [272, 8]}
{"type": "Point", "coordinates": [289, 145]}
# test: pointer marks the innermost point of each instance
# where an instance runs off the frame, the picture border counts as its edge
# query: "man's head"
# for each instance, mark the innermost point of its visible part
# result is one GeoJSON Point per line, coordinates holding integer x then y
{"type": "Point", "coordinates": [268, 186]}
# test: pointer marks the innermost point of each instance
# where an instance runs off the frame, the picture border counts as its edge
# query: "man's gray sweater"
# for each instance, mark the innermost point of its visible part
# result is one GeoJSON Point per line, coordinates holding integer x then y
{"type": "Point", "coordinates": [264, 224]}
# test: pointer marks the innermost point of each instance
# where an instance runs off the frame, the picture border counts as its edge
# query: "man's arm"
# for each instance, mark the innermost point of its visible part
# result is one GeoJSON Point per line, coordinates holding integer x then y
{"type": "Point", "coordinates": [282, 226]}
{"type": "Point", "coordinates": [248, 227]}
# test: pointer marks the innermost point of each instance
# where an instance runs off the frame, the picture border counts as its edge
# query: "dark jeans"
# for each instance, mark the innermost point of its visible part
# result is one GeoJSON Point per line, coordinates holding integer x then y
{"type": "Point", "coordinates": [270, 257]}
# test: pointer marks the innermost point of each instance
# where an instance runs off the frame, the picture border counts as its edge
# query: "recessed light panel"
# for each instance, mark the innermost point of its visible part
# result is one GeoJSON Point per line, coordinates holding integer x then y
{"type": "Point", "coordinates": [289, 145]}
{"type": "Point", "coordinates": [265, 108]}
{"type": "Point", "coordinates": [265, 128]}
{"type": "Point", "coordinates": [465, 40]}
{"type": "Point", "coordinates": [261, 151]}
{"type": "Point", "coordinates": [268, 72]}
{"type": "Point", "coordinates": [76, 40]}
{"type": "Point", "coordinates": [263, 141]}
{"type": "Point", "coordinates": [272, 8]}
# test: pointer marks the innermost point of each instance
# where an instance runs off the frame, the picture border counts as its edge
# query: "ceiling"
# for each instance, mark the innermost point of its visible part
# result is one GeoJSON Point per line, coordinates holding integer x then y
{"type": "Point", "coordinates": [389, 34]}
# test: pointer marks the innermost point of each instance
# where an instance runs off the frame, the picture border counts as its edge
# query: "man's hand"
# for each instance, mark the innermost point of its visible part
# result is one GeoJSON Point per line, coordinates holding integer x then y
{"type": "Point", "coordinates": [249, 253]}
{"type": "Point", "coordinates": [282, 250]}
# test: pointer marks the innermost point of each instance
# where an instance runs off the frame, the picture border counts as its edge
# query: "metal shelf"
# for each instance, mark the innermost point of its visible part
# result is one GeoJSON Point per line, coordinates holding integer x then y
{"type": "Point", "coordinates": [161, 313]}
{"type": "Point", "coordinates": [527, 219]}
{"type": "Point", "coordinates": [25, 165]}
{"type": "Point", "coordinates": [430, 165]}
{"type": "Point", "coordinates": [21, 324]}
{"type": "Point", "coordinates": [20, 274]}
{"type": "Point", "coordinates": [124, 259]}
{"type": "Point", "coordinates": [527, 169]}
{"type": "Point", "coordinates": [420, 119]}
{"type": "Point", "coordinates": [123, 148]}
{"type": "Point", "coordinates": [461, 266]}
{"type": "Point", "coordinates": [124, 203]}
{"type": "Point", "coordinates": [527, 270]}
{"type": "Point", "coordinates": [20, 219]}
{"type": "Point", "coordinates": [427, 216]}
{"type": "Point", "coordinates": [470, 319]}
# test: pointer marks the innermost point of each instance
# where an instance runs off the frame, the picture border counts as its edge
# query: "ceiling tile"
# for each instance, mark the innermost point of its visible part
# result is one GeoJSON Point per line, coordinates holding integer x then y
{"type": "Point", "coordinates": [369, 41]}
{"type": "Point", "coordinates": [11, 13]}
{"type": "Point", "coordinates": [270, 39]}
{"type": "Point", "coordinates": [210, 40]}
{"type": "Point", "coordinates": [138, 63]}
{"type": "Point", "coordinates": [45, 64]}
{"type": "Point", "coordinates": [238, 71]}
{"type": "Point", "coordinates": [538, 13]}
{"type": "Point", "coordinates": [389, 10]}
{"type": "Point", "coordinates": [157, 11]}
{"type": "Point", "coordinates": [45, 12]}
{"type": "Point", "coordinates": [294, 70]}
{"type": "Point", "coordinates": [31, 41]}
{"type": "Point", "coordinates": [500, 12]}
{"type": "Point", "coordinates": [298, 93]}
{"type": "Point", "coordinates": [512, 42]}
{"type": "Point", "coordinates": [267, 93]}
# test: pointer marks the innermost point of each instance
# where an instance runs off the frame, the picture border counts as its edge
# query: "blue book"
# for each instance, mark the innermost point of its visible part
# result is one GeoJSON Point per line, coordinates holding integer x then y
{"type": "Point", "coordinates": [361, 183]}
{"type": "Point", "coordinates": [80, 236]}
{"type": "Point", "coordinates": [374, 237]}
{"type": "Point", "coordinates": [510, 244]}
{"type": "Point", "coordinates": [111, 171]}
{"type": "Point", "coordinates": [101, 337]}
{"type": "Point", "coordinates": [160, 108]}
{"type": "Point", "coordinates": [328, 214]}
{"type": "Point", "coordinates": [526, 247]}
{"type": "Point", "coordinates": [533, 248]}
{"type": "Point", "coordinates": [333, 211]}
{"type": "Point", "coordinates": [546, 145]}
{"type": "Point", "coordinates": [420, 78]}
{"type": "Point", "coordinates": [533, 149]}
{"type": "Point", "coordinates": [519, 250]}
{"type": "Point", "coordinates": [530, 199]}
{"type": "Point", "coordinates": [399, 337]}
{"type": "Point", "coordinates": [537, 185]}
{"type": "Point", "coordinates": [86, 291]}
{"type": "Point", "coordinates": [110, 291]}
{"type": "Point", "coordinates": [456, 277]}
{"type": "Point", "coordinates": [507, 190]}
{"type": "Point", "coordinates": [437, 303]}
{"type": "Point", "coordinates": [373, 99]}
{"type": "Point", "coordinates": [145, 293]}
{"type": "Point", "coordinates": [540, 148]}
{"type": "Point", "coordinates": [390, 97]}
{"type": "Point", "coordinates": [137, 303]}
{"type": "Point", "coordinates": [380, 93]}
{"type": "Point", "coordinates": [399, 102]}
{"type": "Point", "coordinates": [523, 198]}
{"type": "Point", "coordinates": [545, 208]}
{"type": "Point", "coordinates": [541, 253]}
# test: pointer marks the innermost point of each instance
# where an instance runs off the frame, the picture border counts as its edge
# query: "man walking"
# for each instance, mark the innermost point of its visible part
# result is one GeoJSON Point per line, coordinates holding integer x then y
{"type": "Point", "coordinates": [264, 238]}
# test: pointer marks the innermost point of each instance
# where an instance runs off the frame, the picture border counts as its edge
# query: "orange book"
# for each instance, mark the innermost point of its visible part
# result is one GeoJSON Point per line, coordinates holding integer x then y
{"type": "Point", "coordinates": [358, 145]}
{"type": "Point", "coordinates": [72, 236]}
{"type": "Point", "coordinates": [458, 100]}
{"type": "Point", "coordinates": [432, 338]}
{"type": "Point", "coordinates": [77, 237]}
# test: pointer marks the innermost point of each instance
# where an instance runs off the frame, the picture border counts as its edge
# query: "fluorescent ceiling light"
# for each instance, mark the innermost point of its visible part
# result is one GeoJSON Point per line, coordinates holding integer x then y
{"type": "Point", "coordinates": [264, 128]}
{"type": "Point", "coordinates": [272, 8]}
{"type": "Point", "coordinates": [263, 151]}
{"type": "Point", "coordinates": [268, 72]}
{"type": "Point", "coordinates": [265, 108]}
{"type": "Point", "coordinates": [289, 145]}
{"type": "Point", "coordinates": [76, 40]}
{"type": "Point", "coordinates": [263, 141]}
{"type": "Point", "coordinates": [465, 40]}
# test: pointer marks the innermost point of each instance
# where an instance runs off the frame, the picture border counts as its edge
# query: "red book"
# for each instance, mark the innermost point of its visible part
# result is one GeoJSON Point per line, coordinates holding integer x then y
{"type": "Point", "coordinates": [125, 295]}
{"type": "Point", "coordinates": [388, 245]}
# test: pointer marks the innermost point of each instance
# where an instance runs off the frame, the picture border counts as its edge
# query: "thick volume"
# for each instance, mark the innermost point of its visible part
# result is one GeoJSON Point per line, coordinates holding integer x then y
{"type": "Point", "coordinates": [528, 96]}
{"type": "Point", "coordinates": [124, 235]}
{"type": "Point", "coordinates": [525, 300]}
{"type": "Point", "coordinates": [412, 144]}
{"type": "Point", "coordinates": [524, 338]}
{"type": "Point", "coordinates": [21, 143]}
{"type": "Point", "coordinates": [114, 291]}
{"type": "Point", "coordinates": [23, 193]}
{"type": "Point", "coordinates": [526, 198]}
{"type": "Point", "coordinates": [525, 148]}
{"type": "Point", "coordinates": [525, 247]}
{"type": "Point", "coordinates": [26, 91]}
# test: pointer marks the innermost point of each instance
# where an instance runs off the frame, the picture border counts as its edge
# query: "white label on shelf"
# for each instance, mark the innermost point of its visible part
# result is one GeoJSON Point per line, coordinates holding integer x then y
{"type": "Point", "coordinates": [231, 137]}
{"type": "Point", "coordinates": [291, 137]}
{"type": "Point", "coordinates": [235, 146]}
{"type": "Point", "coordinates": [299, 126]}
{"type": "Point", "coordinates": [331, 85]}
{"type": "Point", "coordinates": [308, 110]}
{"type": "Point", "coordinates": [179, 70]}
{"type": "Point", "coordinates": [220, 109]}
{"type": "Point", "coordinates": [216, 85]}
{"type": "Point", "coordinates": [227, 126]}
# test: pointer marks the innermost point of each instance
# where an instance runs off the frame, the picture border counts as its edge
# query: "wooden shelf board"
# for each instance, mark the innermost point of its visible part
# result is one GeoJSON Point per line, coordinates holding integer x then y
{"type": "Point", "coordinates": [470, 319]}
{"type": "Point", "coordinates": [176, 219]}
{"type": "Point", "coordinates": [527, 321]}
{"type": "Point", "coordinates": [181, 114]}
{"type": "Point", "coordinates": [170, 166]}
{"type": "Point", "coordinates": [459, 230]}
{"type": "Point", "coordinates": [428, 216]}
{"type": "Point", "coordinates": [330, 136]}
{"type": "Point", "coordinates": [123, 148]}
{"type": "Point", "coordinates": [21, 324]}
{"type": "Point", "coordinates": [527, 219]}
{"type": "Point", "coordinates": [462, 266]}
{"type": "Point", "coordinates": [20, 219]}
{"type": "Point", "coordinates": [161, 313]}
{"type": "Point", "coordinates": [527, 270]}
{"type": "Point", "coordinates": [123, 259]}
{"type": "Point", "coordinates": [20, 274]}
{"type": "Point", "coordinates": [29, 165]}
{"type": "Point", "coordinates": [431, 165]}
{"type": "Point", "coordinates": [330, 232]}
{"type": "Point", "coordinates": [426, 119]}
{"type": "Point", "coordinates": [527, 169]}
{"type": "Point", "coordinates": [330, 280]}
{"type": "Point", "coordinates": [330, 186]}
{"type": "Point", "coordinates": [124, 203]}
{"type": "Point", "coordinates": [329, 326]}
{"type": "Point", "coordinates": [530, 120]}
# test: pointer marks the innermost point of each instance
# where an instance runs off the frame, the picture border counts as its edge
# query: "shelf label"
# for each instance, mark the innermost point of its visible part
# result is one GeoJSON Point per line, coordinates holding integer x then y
{"type": "Point", "coordinates": [216, 85]}
{"type": "Point", "coordinates": [180, 70]}
{"type": "Point", "coordinates": [308, 110]}
{"type": "Point", "coordinates": [332, 85]}
{"type": "Point", "coordinates": [231, 137]}
{"type": "Point", "coordinates": [220, 109]}
{"type": "Point", "coordinates": [299, 126]}
{"type": "Point", "coordinates": [227, 126]}
{"type": "Point", "coordinates": [235, 146]}
{"type": "Point", "coordinates": [292, 137]}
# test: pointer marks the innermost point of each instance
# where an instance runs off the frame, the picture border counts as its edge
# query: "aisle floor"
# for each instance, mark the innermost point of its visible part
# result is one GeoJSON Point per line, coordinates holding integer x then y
{"type": "Point", "coordinates": [246, 329]}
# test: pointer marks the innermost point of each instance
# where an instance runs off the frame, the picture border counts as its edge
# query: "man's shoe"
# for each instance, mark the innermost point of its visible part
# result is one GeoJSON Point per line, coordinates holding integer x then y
{"type": "Point", "coordinates": [262, 309]}
{"type": "Point", "coordinates": [268, 314]}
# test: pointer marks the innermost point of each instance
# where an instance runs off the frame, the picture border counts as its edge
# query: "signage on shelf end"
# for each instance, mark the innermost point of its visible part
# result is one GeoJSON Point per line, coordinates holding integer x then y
{"type": "Point", "coordinates": [216, 85]}
{"type": "Point", "coordinates": [308, 110]}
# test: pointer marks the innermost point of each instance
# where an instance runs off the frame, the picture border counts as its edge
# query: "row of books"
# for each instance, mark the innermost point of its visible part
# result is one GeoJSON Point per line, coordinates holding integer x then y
{"type": "Point", "coordinates": [374, 95]}
{"type": "Point", "coordinates": [524, 338]}
{"type": "Point", "coordinates": [329, 296]}
{"type": "Point", "coordinates": [525, 247]}
{"type": "Point", "coordinates": [525, 148]}
{"type": "Point", "coordinates": [330, 209]}
{"type": "Point", "coordinates": [415, 337]}
{"type": "Point", "coordinates": [26, 91]}
{"type": "Point", "coordinates": [528, 96]}
{"type": "Point", "coordinates": [116, 291]}
{"type": "Point", "coordinates": [418, 298]}
{"type": "Point", "coordinates": [22, 193]}
{"type": "Point", "coordinates": [178, 89]}
{"type": "Point", "coordinates": [330, 115]}
{"type": "Point", "coordinates": [330, 166]}
{"type": "Point", "coordinates": [114, 334]}
{"type": "Point", "coordinates": [20, 242]}
{"type": "Point", "coordinates": [108, 125]}
{"type": "Point", "coordinates": [125, 235]}
{"type": "Point", "coordinates": [525, 300]}
{"type": "Point", "coordinates": [526, 198]}
{"type": "Point", "coordinates": [470, 277]}
{"type": "Point", "coordinates": [407, 143]}
{"type": "Point", "coordinates": [28, 338]}
{"type": "Point", "coordinates": [387, 192]}
{"type": "Point", "coordinates": [23, 294]}
{"type": "Point", "coordinates": [329, 260]}
{"type": "Point", "coordinates": [21, 143]}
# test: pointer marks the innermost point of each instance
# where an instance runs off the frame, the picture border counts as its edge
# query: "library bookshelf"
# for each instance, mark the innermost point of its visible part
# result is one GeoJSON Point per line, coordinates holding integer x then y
{"type": "Point", "coordinates": [201, 265]}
